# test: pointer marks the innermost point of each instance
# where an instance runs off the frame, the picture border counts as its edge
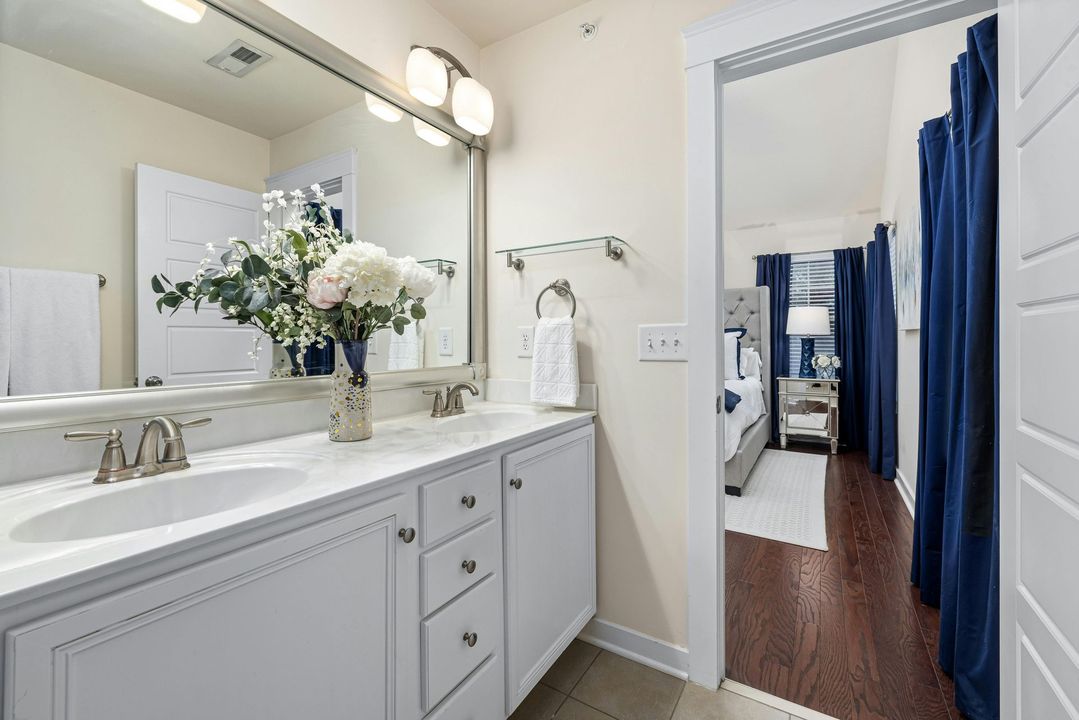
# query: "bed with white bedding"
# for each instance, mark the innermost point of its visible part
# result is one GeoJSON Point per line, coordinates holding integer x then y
{"type": "Point", "coordinates": [748, 425]}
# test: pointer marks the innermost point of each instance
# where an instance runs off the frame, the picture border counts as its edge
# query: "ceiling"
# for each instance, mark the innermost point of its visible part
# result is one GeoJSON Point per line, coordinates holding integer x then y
{"type": "Point", "coordinates": [130, 44]}
{"type": "Point", "coordinates": [808, 141]}
{"type": "Point", "coordinates": [488, 21]}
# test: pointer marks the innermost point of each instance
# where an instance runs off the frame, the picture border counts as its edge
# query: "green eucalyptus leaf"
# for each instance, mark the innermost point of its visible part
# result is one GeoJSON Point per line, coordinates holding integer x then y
{"type": "Point", "coordinates": [254, 266]}
{"type": "Point", "coordinates": [198, 301]}
{"type": "Point", "coordinates": [159, 303]}
{"type": "Point", "coordinates": [155, 283]}
{"type": "Point", "coordinates": [418, 311]}
{"type": "Point", "coordinates": [213, 296]}
{"type": "Point", "coordinates": [259, 299]}
{"type": "Point", "coordinates": [172, 299]}
{"type": "Point", "coordinates": [229, 289]}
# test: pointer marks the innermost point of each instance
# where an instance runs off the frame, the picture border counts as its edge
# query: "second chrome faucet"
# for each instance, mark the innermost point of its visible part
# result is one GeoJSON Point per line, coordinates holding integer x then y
{"type": "Point", "coordinates": [453, 404]}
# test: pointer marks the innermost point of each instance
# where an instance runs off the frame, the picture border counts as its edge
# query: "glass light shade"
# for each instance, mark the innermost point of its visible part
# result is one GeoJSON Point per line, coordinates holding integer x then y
{"type": "Point", "coordinates": [188, 11]}
{"type": "Point", "coordinates": [473, 108]}
{"type": "Point", "coordinates": [429, 133]}
{"type": "Point", "coordinates": [808, 320]}
{"type": "Point", "coordinates": [426, 77]}
{"type": "Point", "coordinates": [382, 109]}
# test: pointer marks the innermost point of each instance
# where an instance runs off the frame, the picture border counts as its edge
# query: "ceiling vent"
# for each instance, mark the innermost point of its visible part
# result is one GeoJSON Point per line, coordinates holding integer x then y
{"type": "Point", "coordinates": [239, 58]}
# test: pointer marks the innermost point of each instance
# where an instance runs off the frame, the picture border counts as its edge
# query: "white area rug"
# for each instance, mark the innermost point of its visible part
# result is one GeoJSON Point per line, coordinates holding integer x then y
{"type": "Point", "coordinates": [783, 499]}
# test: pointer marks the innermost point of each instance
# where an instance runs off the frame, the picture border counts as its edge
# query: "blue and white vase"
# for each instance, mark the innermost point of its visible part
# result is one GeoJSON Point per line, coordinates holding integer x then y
{"type": "Point", "coordinates": [827, 373]}
{"type": "Point", "coordinates": [350, 394]}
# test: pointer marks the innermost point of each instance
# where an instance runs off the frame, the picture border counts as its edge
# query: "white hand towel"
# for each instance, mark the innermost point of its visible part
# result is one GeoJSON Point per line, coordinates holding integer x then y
{"type": "Point", "coordinates": [55, 332]}
{"type": "Point", "coordinates": [406, 350]}
{"type": "Point", "coordinates": [554, 363]}
{"type": "Point", "coordinates": [5, 330]}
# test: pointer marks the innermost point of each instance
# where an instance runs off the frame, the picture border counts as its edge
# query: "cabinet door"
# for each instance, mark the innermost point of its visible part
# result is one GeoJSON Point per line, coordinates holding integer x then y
{"type": "Point", "coordinates": [550, 554]}
{"type": "Point", "coordinates": [302, 625]}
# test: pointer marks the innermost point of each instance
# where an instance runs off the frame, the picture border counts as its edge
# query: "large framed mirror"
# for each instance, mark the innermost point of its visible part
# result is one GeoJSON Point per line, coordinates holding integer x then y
{"type": "Point", "coordinates": [136, 143]}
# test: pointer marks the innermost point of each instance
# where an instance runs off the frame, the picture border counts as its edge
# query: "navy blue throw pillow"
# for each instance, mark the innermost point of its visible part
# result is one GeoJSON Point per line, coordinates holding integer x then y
{"type": "Point", "coordinates": [730, 400]}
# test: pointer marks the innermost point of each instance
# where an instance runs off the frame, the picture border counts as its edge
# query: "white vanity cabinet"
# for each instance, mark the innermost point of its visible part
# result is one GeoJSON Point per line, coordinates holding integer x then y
{"type": "Point", "coordinates": [301, 625]}
{"type": "Point", "coordinates": [550, 547]}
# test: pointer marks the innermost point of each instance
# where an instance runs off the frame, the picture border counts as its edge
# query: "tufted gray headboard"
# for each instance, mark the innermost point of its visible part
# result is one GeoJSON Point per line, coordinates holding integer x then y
{"type": "Point", "coordinates": [751, 308]}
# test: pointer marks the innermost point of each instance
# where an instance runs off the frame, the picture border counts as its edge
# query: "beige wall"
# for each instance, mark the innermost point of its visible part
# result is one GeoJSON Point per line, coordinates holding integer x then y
{"type": "Point", "coordinates": [69, 148]}
{"type": "Point", "coordinates": [922, 92]}
{"type": "Point", "coordinates": [590, 139]}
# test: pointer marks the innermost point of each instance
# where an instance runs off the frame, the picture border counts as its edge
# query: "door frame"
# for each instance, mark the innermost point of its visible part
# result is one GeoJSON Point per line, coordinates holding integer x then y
{"type": "Point", "coordinates": [749, 39]}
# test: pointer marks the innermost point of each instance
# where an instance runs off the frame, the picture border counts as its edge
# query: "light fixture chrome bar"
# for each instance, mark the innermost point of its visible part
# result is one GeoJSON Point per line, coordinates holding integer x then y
{"type": "Point", "coordinates": [447, 57]}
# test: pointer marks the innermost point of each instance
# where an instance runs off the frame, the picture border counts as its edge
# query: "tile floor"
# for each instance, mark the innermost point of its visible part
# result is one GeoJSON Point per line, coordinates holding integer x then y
{"type": "Point", "coordinates": [587, 683]}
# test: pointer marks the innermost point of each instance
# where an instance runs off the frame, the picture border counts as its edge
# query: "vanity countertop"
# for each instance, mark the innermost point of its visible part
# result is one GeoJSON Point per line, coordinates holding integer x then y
{"type": "Point", "coordinates": [316, 472]}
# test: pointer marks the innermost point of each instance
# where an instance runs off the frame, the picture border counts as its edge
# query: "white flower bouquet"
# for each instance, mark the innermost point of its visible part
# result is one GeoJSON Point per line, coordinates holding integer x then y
{"type": "Point", "coordinates": [306, 281]}
{"type": "Point", "coordinates": [826, 365]}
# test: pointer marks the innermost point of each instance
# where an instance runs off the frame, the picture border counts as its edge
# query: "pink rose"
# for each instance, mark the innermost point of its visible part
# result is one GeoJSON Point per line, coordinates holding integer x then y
{"type": "Point", "coordinates": [325, 291]}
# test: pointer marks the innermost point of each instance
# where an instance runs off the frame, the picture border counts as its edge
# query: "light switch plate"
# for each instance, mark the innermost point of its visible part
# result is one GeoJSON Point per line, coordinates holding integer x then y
{"type": "Point", "coordinates": [524, 336]}
{"type": "Point", "coordinates": [445, 341]}
{"type": "Point", "coordinates": [663, 343]}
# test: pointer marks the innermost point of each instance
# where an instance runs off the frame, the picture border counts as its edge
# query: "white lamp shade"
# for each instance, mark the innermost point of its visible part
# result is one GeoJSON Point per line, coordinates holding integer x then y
{"type": "Point", "coordinates": [473, 108]}
{"type": "Point", "coordinates": [382, 109]}
{"type": "Point", "coordinates": [429, 133]}
{"type": "Point", "coordinates": [188, 11]}
{"type": "Point", "coordinates": [426, 77]}
{"type": "Point", "coordinates": [808, 321]}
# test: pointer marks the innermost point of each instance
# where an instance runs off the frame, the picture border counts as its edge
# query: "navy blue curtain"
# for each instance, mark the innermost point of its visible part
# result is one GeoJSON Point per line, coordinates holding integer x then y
{"type": "Point", "coordinates": [881, 358]}
{"type": "Point", "coordinates": [850, 344]}
{"type": "Point", "coordinates": [774, 272]}
{"type": "Point", "coordinates": [956, 528]}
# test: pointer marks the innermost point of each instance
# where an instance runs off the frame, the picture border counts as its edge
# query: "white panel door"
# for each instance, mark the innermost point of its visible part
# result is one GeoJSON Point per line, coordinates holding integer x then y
{"type": "Point", "coordinates": [1039, 303]}
{"type": "Point", "coordinates": [177, 215]}
{"type": "Point", "coordinates": [550, 554]}
{"type": "Point", "coordinates": [301, 626]}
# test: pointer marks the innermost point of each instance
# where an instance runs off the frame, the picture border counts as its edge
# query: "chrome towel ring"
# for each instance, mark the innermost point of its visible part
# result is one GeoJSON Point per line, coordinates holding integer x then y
{"type": "Point", "coordinates": [561, 289]}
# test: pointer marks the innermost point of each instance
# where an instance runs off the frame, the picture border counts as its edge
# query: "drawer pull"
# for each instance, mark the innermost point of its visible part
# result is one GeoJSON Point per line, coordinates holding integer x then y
{"type": "Point", "coordinates": [469, 566]}
{"type": "Point", "coordinates": [469, 501]}
{"type": "Point", "coordinates": [407, 534]}
{"type": "Point", "coordinates": [516, 483]}
{"type": "Point", "coordinates": [471, 639]}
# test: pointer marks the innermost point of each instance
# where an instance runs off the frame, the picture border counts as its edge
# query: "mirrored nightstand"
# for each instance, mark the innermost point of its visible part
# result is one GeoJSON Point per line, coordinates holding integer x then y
{"type": "Point", "coordinates": [809, 407]}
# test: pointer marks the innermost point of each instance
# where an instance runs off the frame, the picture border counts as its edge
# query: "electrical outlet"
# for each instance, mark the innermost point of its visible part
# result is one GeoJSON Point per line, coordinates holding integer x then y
{"type": "Point", "coordinates": [445, 341]}
{"type": "Point", "coordinates": [662, 343]}
{"type": "Point", "coordinates": [524, 340]}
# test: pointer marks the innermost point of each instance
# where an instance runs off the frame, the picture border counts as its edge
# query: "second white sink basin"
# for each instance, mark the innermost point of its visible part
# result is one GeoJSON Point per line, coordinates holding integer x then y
{"type": "Point", "coordinates": [157, 501]}
{"type": "Point", "coordinates": [486, 421]}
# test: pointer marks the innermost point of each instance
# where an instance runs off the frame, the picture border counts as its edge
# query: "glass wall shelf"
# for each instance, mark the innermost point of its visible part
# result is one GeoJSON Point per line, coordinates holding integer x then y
{"type": "Point", "coordinates": [612, 247]}
{"type": "Point", "coordinates": [441, 266]}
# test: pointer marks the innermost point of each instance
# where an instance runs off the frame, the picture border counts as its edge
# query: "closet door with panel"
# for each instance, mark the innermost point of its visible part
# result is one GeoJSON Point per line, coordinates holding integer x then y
{"type": "Point", "coordinates": [550, 554]}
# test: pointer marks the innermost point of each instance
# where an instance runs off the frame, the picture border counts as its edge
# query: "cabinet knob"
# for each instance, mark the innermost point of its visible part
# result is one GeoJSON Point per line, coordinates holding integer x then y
{"type": "Point", "coordinates": [469, 566]}
{"type": "Point", "coordinates": [516, 483]}
{"type": "Point", "coordinates": [407, 534]}
{"type": "Point", "coordinates": [471, 639]}
{"type": "Point", "coordinates": [469, 501]}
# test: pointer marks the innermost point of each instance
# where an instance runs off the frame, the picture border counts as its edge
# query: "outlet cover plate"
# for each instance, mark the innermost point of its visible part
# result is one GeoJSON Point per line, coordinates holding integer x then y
{"type": "Point", "coordinates": [523, 342]}
{"type": "Point", "coordinates": [445, 341]}
{"type": "Point", "coordinates": [663, 343]}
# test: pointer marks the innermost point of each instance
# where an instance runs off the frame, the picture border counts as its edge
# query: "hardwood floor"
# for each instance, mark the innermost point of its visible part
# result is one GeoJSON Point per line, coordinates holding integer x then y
{"type": "Point", "coordinates": [841, 631]}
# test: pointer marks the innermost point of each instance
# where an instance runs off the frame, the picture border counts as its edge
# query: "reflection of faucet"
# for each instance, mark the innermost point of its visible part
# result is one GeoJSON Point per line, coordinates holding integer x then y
{"type": "Point", "coordinates": [114, 467]}
{"type": "Point", "coordinates": [453, 405]}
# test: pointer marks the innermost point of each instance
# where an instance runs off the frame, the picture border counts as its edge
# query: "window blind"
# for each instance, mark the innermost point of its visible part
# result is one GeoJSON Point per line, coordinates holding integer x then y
{"type": "Point", "coordinates": [813, 283]}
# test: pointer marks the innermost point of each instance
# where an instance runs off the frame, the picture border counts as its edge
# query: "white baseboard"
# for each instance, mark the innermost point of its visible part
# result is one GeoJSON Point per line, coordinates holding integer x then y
{"type": "Point", "coordinates": [638, 647]}
{"type": "Point", "coordinates": [906, 490]}
{"type": "Point", "coordinates": [795, 710]}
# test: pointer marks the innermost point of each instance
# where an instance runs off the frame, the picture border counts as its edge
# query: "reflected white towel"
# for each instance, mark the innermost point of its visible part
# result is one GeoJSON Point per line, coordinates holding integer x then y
{"type": "Point", "coordinates": [406, 350]}
{"type": "Point", "coordinates": [5, 329]}
{"type": "Point", "coordinates": [55, 332]}
{"type": "Point", "coordinates": [554, 363]}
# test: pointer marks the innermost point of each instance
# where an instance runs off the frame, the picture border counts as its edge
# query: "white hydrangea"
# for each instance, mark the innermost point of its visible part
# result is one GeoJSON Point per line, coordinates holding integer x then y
{"type": "Point", "coordinates": [370, 275]}
{"type": "Point", "coordinates": [419, 282]}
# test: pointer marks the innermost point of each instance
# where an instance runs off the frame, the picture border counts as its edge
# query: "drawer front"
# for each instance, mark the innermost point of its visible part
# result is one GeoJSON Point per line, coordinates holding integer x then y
{"type": "Point", "coordinates": [809, 387]}
{"type": "Point", "coordinates": [444, 571]}
{"type": "Point", "coordinates": [481, 697]}
{"type": "Point", "coordinates": [448, 659]}
{"type": "Point", "coordinates": [443, 501]}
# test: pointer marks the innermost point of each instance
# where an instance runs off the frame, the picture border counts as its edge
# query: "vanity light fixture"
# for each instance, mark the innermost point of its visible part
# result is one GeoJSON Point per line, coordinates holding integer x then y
{"type": "Point", "coordinates": [188, 11]}
{"type": "Point", "coordinates": [429, 133]}
{"type": "Point", "coordinates": [427, 75]}
{"type": "Point", "coordinates": [382, 109]}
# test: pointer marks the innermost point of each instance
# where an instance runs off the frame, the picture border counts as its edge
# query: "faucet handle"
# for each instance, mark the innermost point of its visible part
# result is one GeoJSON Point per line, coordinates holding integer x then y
{"type": "Point", "coordinates": [197, 422]}
{"type": "Point", "coordinates": [113, 459]}
{"type": "Point", "coordinates": [113, 435]}
{"type": "Point", "coordinates": [440, 407]}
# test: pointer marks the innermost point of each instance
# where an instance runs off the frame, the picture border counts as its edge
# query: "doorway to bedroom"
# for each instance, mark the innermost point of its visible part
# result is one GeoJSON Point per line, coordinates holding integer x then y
{"type": "Point", "coordinates": [822, 212]}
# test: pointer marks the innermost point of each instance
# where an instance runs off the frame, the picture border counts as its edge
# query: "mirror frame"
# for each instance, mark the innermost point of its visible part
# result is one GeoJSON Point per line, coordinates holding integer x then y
{"type": "Point", "coordinates": [31, 412]}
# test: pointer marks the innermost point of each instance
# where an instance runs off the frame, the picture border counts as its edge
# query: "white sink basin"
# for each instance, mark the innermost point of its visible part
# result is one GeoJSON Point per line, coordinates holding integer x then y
{"type": "Point", "coordinates": [157, 501]}
{"type": "Point", "coordinates": [487, 421]}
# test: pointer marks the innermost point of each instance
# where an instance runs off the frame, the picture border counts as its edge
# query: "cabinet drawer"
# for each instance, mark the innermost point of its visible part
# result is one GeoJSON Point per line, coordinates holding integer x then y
{"type": "Point", "coordinates": [809, 386]}
{"type": "Point", "coordinates": [445, 502]}
{"type": "Point", "coordinates": [448, 659]}
{"type": "Point", "coordinates": [481, 697]}
{"type": "Point", "coordinates": [443, 570]}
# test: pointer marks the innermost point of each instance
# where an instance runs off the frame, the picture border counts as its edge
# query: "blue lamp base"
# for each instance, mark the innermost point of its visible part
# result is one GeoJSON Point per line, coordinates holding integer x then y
{"type": "Point", "coordinates": [806, 369]}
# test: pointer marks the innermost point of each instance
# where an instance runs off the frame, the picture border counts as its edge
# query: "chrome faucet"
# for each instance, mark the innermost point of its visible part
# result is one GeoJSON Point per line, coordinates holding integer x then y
{"type": "Point", "coordinates": [114, 467]}
{"type": "Point", "coordinates": [453, 404]}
